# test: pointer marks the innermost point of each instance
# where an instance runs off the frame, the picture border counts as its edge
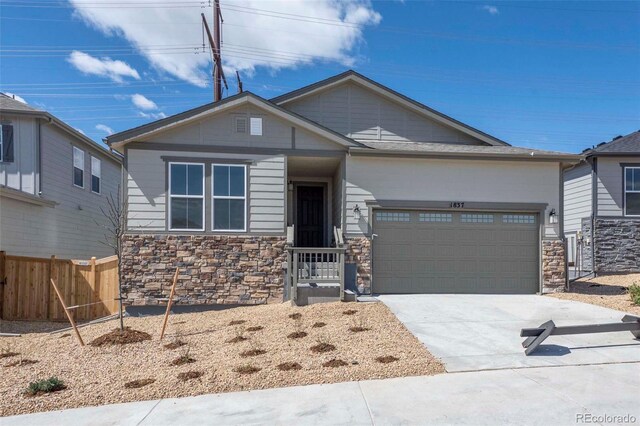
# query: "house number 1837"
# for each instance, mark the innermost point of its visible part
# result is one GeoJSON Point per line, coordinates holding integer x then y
{"type": "Point", "coordinates": [456, 205]}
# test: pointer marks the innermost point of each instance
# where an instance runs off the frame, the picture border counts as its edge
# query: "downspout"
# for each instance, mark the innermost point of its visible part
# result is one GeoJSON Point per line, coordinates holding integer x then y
{"type": "Point", "coordinates": [561, 229]}
{"type": "Point", "coordinates": [594, 212]}
{"type": "Point", "coordinates": [39, 157]}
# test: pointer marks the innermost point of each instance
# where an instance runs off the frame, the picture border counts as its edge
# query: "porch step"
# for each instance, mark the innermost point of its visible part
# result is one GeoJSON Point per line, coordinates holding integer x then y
{"type": "Point", "coordinates": [309, 294]}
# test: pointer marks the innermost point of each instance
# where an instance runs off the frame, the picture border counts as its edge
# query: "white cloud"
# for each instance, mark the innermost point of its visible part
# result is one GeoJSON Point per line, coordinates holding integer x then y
{"type": "Point", "coordinates": [152, 115]}
{"type": "Point", "coordinates": [493, 10]}
{"type": "Point", "coordinates": [255, 34]}
{"type": "Point", "coordinates": [16, 97]}
{"type": "Point", "coordinates": [103, 67]}
{"type": "Point", "coordinates": [104, 128]}
{"type": "Point", "coordinates": [143, 102]}
{"type": "Point", "coordinates": [80, 131]}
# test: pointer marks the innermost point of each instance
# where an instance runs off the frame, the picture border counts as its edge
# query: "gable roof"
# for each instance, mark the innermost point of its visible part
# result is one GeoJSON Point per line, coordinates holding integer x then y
{"type": "Point", "coordinates": [198, 113]}
{"type": "Point", "coordinates": [388, 93]}
{"type": "Point", "coordinates": [9, 105]}
{"type": "Point", "coordinates": [622, 145]}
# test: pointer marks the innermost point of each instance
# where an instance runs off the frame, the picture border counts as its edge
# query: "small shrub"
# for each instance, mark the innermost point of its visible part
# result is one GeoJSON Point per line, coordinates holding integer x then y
{"type": "Point", "coordinates": [246, 369]}
{"type": "Point", "coordinates": [350, 312]}
{"type": "Point", "coordinates": [175, 344]}
{"type": "Point", "coordinates": [184, 358]}
{"type": "Point", "coordinates": [189, 375]}
{"type": "Point", "coordinates": [121, 337]}
{"type": "Point", "coordinates": [335, 363]}
{"type": "Point", "coordinates": [359, 324]}
{"type": "Point", "coordinates": [295, 316]}
{"type": "Point", "coordinates": [252, 352]}
{"type": "Point", "coordinates": [21, 362]}
{"type": "Point", "coordinates": [7, 352]}
{"type": "Point", "coordinates": [52, 384]}
{"type": "Point", "coordinates": [237, 322]}
{"type": "Point", "coordinates": [634, 292]}
{"type": "Point", "coordinates": [319, 324]}
{"type": "Point", "coordinates": [299, 333]}
{"type": "Point", "coordinates": [239, 331]}
{"type": "Point", "coordinates": [135, 384]}
{"type": "Point", "coordinates": [255, 328]}
{"type": "Point", "coordinates": [387, 359]}
{"type": "Point", "coordinates": [322, 346]}
{"type": "Point", "coordinates": [289, 366]}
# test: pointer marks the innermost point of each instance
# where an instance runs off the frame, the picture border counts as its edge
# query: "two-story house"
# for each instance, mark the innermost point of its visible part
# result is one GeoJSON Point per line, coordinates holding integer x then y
{"type": "Point", "coordinates": [53, 183]}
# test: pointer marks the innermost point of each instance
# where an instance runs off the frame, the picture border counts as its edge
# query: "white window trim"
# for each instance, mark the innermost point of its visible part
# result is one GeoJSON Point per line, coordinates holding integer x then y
{"type": "Point", "coordinates": [228, 197]}
{"type": "Point", "coordinates": [250, 121]}
{"type": "Point", "coordinates": [73, 177]}
{"type": "Point", "coordinates": [98, 176]}
{"type": "Point", "coordinates": [171, 196]}
{"type": "Point", "coordinates": [629, 191]}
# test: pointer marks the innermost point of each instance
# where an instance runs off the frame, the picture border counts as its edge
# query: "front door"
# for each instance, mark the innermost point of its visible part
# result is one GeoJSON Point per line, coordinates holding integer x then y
{"type": "Point", "coordinates": [310, 217]}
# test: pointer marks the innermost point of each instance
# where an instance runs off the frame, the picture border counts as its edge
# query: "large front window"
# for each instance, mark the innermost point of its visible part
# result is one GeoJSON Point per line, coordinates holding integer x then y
{"type": "Point", "coordinates": [632, 191]}
{"type": "Point", "coordinates": [186, 196]}
{"type": "Point", "coordinates": [229, 197]}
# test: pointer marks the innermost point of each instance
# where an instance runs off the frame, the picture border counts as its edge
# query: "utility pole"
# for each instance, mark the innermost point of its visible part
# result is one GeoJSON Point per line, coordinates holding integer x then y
{"type": "Point", "coordinates": [239, 82]}
{"type": "Point", "coordinates": [214, 43]}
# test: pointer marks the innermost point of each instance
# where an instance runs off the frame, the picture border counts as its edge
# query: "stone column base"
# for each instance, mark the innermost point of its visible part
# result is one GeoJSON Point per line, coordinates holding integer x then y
{"type": "Point", "coordinates": [359, 252]}
{"type": "Point", "coordinates": [554, 277]}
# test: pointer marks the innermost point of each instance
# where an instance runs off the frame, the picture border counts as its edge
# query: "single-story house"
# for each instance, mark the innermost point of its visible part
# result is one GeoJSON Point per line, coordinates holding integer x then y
{"type": "Point", "coordinates": [602, 207]}
{"type": "Point", "coordinates": [53, 183]}
{"type": "Point", "coordinates": [421, 202]}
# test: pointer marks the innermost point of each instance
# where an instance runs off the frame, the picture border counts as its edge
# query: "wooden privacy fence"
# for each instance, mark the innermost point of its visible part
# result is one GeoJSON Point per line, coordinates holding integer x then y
{"type": "Point", "coordinates": [27, 294]}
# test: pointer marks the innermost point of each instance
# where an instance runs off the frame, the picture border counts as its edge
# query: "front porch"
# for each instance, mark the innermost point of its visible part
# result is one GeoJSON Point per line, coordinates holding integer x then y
{"type": "Point", "coordinates": [315, 244]}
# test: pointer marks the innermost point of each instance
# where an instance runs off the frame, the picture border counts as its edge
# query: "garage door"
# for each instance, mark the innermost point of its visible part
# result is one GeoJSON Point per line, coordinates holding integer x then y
{"type": "Point", "coordinates": [455, 252]}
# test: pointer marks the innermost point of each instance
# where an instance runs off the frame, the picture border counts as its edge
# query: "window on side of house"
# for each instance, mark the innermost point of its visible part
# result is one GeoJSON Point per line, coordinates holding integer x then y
{"type": "Point", "coordinates": [95, 175]}
{"type": "Point", "coordinates": [6, 143]}
{"type": "Point", "coordinates": [229, 197]}
{"type": "Point", "coordinates": [255, 126]}
{"type": "Point", "coordinates": [632, 191]}
{"type": "Point", "coordinates": [78, 167]}
{"type": "Point", "coordinates": [186, 197]}
{"type": "Point", "coordinates": [240, 124]}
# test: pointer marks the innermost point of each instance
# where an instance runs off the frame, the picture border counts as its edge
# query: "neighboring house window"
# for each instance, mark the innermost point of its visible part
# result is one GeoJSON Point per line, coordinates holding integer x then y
{"type": "Point", "coordinates": [78, 167]}
{"type": "Point", "coordinates": [186, 196]}
{"type": "Point", "coordinates": [6, 143]}
{"type": "Point", "coordinates": [229, 197]}
{"type": "Point", "coordinates": [95, 175]}
{"type": "Point", "coordinates": [241, 124]}
{"type": "Point", "coordinates": [632, 191]}
{"type": "Point", "coordinates": [256, 126]}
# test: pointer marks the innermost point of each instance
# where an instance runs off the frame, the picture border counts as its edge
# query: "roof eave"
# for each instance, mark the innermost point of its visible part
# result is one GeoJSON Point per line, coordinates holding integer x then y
{"type": "Point", "coordinates": [570, 158]}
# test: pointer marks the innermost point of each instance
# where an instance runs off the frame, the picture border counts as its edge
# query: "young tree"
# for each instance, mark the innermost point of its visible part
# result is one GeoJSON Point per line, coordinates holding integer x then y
{"type": "Point", "coordinates": [115, 213]}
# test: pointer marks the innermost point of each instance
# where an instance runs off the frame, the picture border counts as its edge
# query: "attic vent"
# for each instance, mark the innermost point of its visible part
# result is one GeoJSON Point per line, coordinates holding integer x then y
{"type": "Point", "coordinates": [256, 126]}
{"type": "Point", "coordinates": [241, 124]}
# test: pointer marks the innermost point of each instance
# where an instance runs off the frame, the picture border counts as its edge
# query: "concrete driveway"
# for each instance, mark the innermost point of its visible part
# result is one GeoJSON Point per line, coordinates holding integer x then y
{"type": "Point", "coordinates": [482, 332]}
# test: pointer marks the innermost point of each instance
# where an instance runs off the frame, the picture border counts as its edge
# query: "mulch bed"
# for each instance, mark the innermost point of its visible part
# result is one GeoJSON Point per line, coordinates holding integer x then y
{"type": "Point", "coordinates": [350, 312]}
{"type": "Point", "coordinates": [319, 324]}
{"type": "Point", "coordinates": [335, 363]}
{"type": "Point", "coordinates": [121, 337]}
{"type": "Point", "coordinates": [246, 369]}
{"type": "Point", "coordinates": [189, 375]}
{"type": "Point", "coordinates": [387, 359]}
{"type": "Point", "coordinates": [289, 366]}
{"type": "Point", "coordinates": [175, 344]}
{"type": "Point", "coordinates": [255, 328]}
{"type": "Point", "coordinates": [322, 348]}
{"type": "Point", "coordinates": [21, 363]}
{"type": "Point", "coordinates": [252, 352]}
{"type": "Point", "coordinates": [182, 360]}
{"type": "Point", "coordinates": [135, 384]}
{"type": "Point", "coordinates": [297, 335]}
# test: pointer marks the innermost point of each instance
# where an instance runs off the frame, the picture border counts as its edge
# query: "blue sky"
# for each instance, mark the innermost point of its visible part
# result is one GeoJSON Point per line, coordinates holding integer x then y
{"type": "Point", "coordinates": [549, 75]}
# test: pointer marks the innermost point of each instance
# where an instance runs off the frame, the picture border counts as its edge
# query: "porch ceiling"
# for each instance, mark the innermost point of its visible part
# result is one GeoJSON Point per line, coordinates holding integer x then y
{"type": "Point", "coordinates": [312, 166]}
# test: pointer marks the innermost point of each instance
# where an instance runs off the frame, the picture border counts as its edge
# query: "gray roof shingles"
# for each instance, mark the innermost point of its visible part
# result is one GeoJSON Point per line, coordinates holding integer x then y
{"type": "Point", "coordinates": [430, 147]}
{"type": "Point", "coordinates": [7, 103]}
{"type": "Point", "coordinates": [626, 144]}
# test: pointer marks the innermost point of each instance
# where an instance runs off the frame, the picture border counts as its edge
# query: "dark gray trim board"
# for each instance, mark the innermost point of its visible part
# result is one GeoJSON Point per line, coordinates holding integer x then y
{"type": "Point", "coordinates": [209, 160]}
{"type": "Point", "coordinates": [155, 146]}
{"type": "Point", "coordinates": [191, 233]}
{"type": "Point", "coordinates": [446, 205]}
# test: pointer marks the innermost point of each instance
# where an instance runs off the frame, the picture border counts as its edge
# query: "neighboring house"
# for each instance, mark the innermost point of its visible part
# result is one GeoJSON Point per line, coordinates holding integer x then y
{"type": "Point", "coordinates": [426, 204]}
{"type": "Point", "coordinates": [602, 207]}
{"type": "Point", "coordinates": [53, 181]}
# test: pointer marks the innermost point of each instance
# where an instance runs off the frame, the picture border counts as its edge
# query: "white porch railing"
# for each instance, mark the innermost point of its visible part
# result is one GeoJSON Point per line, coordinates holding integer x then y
{"type": "Point", "coordinates": [315, 265]}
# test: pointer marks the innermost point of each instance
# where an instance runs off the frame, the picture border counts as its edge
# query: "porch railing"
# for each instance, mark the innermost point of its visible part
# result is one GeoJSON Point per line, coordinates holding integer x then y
{"type": "Point", "coordinates": [315, 265]}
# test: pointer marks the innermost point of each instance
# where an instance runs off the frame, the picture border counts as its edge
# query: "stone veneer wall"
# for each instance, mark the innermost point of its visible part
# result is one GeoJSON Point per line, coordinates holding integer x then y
{"type": "Point", "coordinates": [214, 269]}
{"type": "Point", "coordinates": [617, 245]}
{"type": "Point", "coordinates": [359, 252]}
{"type": "Point", "coordinates": [554, 275]}
{"type": "Point", "coordinates": [587, 258]}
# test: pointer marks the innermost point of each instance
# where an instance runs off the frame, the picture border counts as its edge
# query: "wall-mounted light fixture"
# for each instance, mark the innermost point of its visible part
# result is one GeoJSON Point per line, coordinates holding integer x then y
{"type": "Point", "coordinates": [357, 214]}
{"type": "Point", "coordinates": [553, 217]}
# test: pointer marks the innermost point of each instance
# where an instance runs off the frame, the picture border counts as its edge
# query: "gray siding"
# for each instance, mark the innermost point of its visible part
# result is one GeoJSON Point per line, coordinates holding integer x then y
{"type": "Point", "coordinates": [610, 185]}
{"type": "Point", "coordinates": [336, 195]}
{"type": "Point", "coordinates": [146, 181]}
{"type": "Point", "coordinates": [448, 180]}
{"type": "Point", "coordinates": [220, 130]}
{"type": "Point", "coordinates": [577, 196]}
{"type": "Point", "coordinates": [69, 229]}
{"type": "Point", "coordinates": [358, 113]}
{"type": "Point", "coordinates": [22, 174]}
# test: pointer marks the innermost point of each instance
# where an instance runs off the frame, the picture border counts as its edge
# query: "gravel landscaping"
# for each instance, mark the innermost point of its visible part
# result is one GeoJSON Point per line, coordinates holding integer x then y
{"type": "Point", "coordinates": [609, 291]}
{"type": "Point", "coordinates": [225, 357]}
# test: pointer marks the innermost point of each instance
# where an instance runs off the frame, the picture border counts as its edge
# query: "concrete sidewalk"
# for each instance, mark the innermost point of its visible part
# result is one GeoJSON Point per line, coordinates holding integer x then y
{"type": "Point", "coordinates": [531, 396]}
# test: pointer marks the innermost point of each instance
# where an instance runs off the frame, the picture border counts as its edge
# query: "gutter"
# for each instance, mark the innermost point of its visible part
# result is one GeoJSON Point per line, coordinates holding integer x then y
{"type": "Point", "coordinates": [465, 155]}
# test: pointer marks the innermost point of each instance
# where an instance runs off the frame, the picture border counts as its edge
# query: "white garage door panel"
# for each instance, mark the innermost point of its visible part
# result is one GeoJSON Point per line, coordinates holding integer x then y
{"type": "Point", "coordinates": [439, 252]}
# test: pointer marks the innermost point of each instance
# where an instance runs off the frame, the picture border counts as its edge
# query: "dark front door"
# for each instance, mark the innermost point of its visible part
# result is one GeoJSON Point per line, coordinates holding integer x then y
{"type": "Point", "coordinates": [310, 218]}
